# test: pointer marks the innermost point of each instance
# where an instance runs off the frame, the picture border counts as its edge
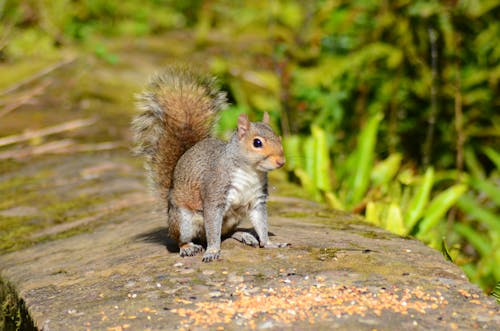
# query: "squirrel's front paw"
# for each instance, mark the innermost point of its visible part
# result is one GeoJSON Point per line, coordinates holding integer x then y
{"type": "Point", "coordinates": [211, 254]}
{"type": "Point", "coordinates": [275, 245]}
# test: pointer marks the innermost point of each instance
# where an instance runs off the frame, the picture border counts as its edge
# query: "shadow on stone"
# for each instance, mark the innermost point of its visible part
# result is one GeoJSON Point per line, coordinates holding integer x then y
{"type": "Point", "coordinates": [159, 236]}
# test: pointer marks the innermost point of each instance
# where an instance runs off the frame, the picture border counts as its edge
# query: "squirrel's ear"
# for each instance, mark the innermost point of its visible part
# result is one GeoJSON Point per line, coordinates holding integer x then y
{"type": "Point", "coordinates": [243, 125]}
{"type": "Point", "coordinates": [265, 119]}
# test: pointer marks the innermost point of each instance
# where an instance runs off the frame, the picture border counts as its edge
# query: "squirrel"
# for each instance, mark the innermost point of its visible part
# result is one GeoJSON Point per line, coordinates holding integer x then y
{"type": "Point", "coordinates": [206, 186]}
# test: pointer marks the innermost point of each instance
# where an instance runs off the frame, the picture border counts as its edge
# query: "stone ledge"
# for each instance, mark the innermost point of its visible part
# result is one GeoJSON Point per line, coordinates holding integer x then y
{"type": "Point", "coordinates": [338, 273]}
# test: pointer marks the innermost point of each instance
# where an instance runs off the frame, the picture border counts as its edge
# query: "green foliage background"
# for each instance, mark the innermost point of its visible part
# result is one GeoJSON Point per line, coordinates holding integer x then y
{"type": "Point", "coordinates": [388, 108]}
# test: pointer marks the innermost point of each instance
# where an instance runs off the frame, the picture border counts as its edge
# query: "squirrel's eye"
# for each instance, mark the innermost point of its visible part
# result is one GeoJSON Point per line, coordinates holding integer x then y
{"type": "Point", "coordinates": [257, 143]}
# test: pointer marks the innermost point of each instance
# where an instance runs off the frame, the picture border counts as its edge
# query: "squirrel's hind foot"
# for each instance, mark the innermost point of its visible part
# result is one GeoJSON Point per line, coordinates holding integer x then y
{"type": "Point", "coordinates": [246, 238]}
{"type": "Point", "coordinates": [190, 249]}
{"type": "Point", "coordinates": [275, 245]}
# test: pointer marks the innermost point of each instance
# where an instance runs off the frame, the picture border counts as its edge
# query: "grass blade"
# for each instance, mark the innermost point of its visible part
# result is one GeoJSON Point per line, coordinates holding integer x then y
{"type": "Point", "coordinates": [333, 201]}
{"type": "Point", "coordinates": [419, 200]}
{"type": "Point", "coordinates": [474, 210]}
{"type": "Point", "coordinates": [493, 155]}
{"type": "Point", "coordinates": [496, 292]}
{"type": "Point", "coordinates": [394, 222]}
{"type": "Point", "coordinates": [480, 243]}
{"type": "Point", "coordinates": [309, 152]}
{"type": "Point", "coordinates": [307, 183]}
{"type": "Point", "coordinates": [291, 147]}
{"type": "Point", "coordinates": [484, 186]}
{"type": "Point", "coordinates": [321, 159]}
{"type": "Point", "coordinates": [439, 206]}
{"type": "Point", "coordinates": [365, 156]}
{"type": "Point", "coordinates": [473, 164]}
{"type": "Point", "coordinates": [445, 251]}
{"type": "Point", "coordinates": [384, 171]}
{"type": "Point", "coordinates": [372, 213]}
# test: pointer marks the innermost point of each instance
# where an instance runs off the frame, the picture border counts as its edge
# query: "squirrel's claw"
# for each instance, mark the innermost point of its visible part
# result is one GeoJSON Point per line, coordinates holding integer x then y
{"type": "Point", "coordinates": [211, 255]}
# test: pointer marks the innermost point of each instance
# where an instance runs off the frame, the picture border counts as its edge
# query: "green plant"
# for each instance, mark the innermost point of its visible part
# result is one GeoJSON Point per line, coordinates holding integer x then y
{"type": "Point", "coordinates": [417, 80]}
{"type": "Point", "coordinates": [393, 196]}
{"type": "Point", "coordinates": [479, 226]}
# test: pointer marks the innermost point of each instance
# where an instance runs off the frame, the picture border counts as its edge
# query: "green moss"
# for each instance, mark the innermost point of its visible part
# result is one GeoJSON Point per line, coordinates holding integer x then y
{"type": "Point", "coordinates": [20, 70]}
{"type": "Point", "coordinates": [260, 276]}
{"type": "Point", "coordinates": [63, 211]}
{"type": "Point", "coordinates": [378, 235]}
{"type": "Point", "coordinates": [328, 253]}
{"type": "Point", "coordinates": [13, 312]}
{"type": "Point", "coordinates": [17, 182]}
{"type": "Point", "coordinates": [295, 214]}
{"type": "Point", "coordinates": [8, 165]}
{"type": "Point", "coordinates": [16, 231]}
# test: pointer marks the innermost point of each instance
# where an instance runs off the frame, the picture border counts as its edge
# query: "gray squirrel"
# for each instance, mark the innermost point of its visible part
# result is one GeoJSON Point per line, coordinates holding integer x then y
{"type": "Point", "coordinates": [207, 186]}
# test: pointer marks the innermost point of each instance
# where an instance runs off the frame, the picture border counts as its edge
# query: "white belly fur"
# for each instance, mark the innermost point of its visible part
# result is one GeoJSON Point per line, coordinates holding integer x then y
{"type": "Point", "coordinates": [246, 188]}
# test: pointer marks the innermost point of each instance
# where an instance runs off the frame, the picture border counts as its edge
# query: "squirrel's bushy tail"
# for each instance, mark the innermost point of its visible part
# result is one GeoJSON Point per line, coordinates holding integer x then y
{"type": "Point", "coordinates": [177, 109]}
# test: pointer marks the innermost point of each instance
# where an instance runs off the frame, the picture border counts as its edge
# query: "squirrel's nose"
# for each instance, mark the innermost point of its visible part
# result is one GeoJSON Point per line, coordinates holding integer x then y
{"type": "Point", "coordinates": [280, 162]}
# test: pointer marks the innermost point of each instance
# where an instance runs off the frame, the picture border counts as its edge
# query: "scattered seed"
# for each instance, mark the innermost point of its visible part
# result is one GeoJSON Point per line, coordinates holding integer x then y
{"type": "Point", "coordinates": [303, 302]}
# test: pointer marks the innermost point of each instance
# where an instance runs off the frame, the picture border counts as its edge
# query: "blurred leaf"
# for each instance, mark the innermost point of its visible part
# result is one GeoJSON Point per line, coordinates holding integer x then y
{"type": "Point", "coordinates": [238, 93]}
{"type": "Point", "coordinates": [420, 200]}
{"type": "Point", "coordinates": [473, 164]}
{"type": "Point", "coordinates": [264, 102]}
{"type": "Point", "coordinates": [321, 160]}
{"type": "Point", "coordinates": [478, 212]}
{"type": "Point", "coordinates": [471, 271]}
{"type": "Point", "coordinates": [394, 222]}
{"type": "Point", "coordinates": [385, 170]}
{"type": "Point", "coordinates": [291, 13]}
{"type": "Point", "coordinates": [307, 183]}
{"type": "Point", "coordinates": [439, 206]}
{"type": "Point", "coordinates": [372, 213]}
{"type": "Point", "coordinates": [102, 52]}
{"type": "Point", "coordinates": [424, 8]}
{"type": "Point", "coordinates": [293, 155]}
{"type": "Point", "coordinates": [228, 121]}
{"type": "Point", "coordinates": [493, 155]}
{"type": "Point", "coordinates": [263, 79]}
{"type": "Point", "coordinates": [309, 157]}
{"type": "Point", "coordinates": [480, 243]}
{"type": "Point", "coordinates": [496, 292]}
{"type": "Point", "coordinates": [486, 187]}
{"type": "Point", "coordinates": [478, 8]}
{"type": "Point", "coordinates": [406, 176]}
{"type": "Point", "coordinates": [333, 201]}
{"type": "Point", "coordinates": [365, 154]}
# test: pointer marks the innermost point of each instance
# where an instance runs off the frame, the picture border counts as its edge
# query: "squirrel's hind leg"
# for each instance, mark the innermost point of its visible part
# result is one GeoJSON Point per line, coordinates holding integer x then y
{"type": "Point", "coordinates": [189, 226]}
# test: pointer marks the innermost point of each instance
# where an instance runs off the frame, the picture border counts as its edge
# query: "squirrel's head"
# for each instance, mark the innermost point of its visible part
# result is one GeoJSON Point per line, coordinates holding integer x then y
{"type": "Point", "coordinates": [261, 146]}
